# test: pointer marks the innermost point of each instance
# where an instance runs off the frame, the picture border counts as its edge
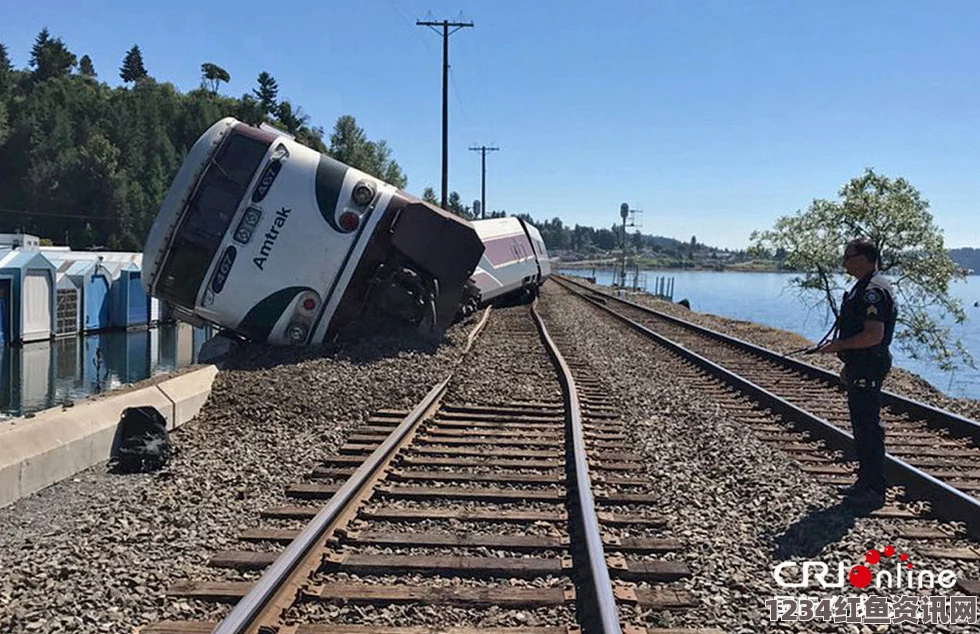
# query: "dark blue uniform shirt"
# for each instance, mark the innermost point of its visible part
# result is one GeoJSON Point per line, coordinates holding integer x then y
{"type": "Point", "coordinates": [869, 299]}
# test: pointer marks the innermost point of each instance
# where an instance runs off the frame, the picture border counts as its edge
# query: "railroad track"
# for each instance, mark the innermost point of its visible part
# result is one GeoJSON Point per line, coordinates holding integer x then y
{"type": "Point", "coordinates": [801, 409]}
{"type": "Point", "coordinates": [523, 514]}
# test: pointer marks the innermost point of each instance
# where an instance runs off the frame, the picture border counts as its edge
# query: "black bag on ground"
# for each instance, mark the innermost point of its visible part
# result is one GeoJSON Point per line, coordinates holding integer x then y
{"type": "Point", "coordinates": [142, 442]}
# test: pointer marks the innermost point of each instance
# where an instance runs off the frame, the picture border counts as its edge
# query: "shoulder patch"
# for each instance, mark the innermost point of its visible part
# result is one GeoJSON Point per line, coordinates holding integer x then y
{"type": "Point", "coordinates": [872, 296]}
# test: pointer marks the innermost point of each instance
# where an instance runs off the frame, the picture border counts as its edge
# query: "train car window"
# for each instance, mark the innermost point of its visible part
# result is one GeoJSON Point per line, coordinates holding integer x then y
{"type": "Point", "coordinates": [184, 273]}
{"type": "Point", "coordinates": [241, 157]}
{"type": "Point", "coordinates": [208, 216]}
{"type": "Point", "coordinates": [211, 212]}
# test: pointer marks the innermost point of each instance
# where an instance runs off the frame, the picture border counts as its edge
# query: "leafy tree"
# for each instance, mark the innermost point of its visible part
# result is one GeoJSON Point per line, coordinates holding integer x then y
{"type": "Point", "coordinates": [85, 66]}
{"type": "Point", "coordinates": [429, 196]}
{"type": "Point", "coordinates": [132, 69]}
{"type": "Point", "coordinates": [212, 75]}
{"type": "Point", "coordinates": [291, 119]}
{"type": "Point", "coordinates": [893, 215]}
{"type": "Point", "coordinates": [267, 93]}
{"type": "Point", "coordinates": [50, 57]}
{"type": "Point", "coordinates": [349, 144]}
{"type": "Point", "coordinates": [250, 110]}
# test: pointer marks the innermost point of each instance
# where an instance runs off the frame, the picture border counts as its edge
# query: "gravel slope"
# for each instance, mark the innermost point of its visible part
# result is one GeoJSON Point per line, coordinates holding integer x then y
{"type": "Point", "coordinates": [96, 553]}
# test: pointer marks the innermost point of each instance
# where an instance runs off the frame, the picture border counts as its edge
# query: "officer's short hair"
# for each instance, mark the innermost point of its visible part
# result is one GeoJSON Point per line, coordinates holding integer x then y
{"type": "Point", "coordinates": [865, 247]}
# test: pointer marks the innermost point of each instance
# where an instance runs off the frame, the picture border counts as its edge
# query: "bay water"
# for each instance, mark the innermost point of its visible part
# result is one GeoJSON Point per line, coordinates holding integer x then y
{"type": "Point", "coordinates": [767, 298]}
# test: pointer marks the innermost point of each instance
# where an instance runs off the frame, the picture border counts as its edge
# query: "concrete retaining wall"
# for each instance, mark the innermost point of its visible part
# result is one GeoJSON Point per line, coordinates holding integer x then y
{"type": "Point", "coordinates": [56, 443]}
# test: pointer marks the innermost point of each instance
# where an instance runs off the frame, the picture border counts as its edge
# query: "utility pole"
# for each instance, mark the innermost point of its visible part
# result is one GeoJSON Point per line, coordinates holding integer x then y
{"type": "Point", "coordinates": [483, 180]}
{"type": "Point", "coordinates": [445, 32]}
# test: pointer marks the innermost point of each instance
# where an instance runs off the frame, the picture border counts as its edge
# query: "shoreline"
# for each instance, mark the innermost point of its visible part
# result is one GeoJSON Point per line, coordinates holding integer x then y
{"type": "Point", "coordinates": [900, 380]}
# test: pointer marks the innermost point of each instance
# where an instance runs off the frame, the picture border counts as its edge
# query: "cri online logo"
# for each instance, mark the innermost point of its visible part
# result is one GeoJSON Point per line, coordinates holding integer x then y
{"type": "Point", "coordinates": [861, 575]}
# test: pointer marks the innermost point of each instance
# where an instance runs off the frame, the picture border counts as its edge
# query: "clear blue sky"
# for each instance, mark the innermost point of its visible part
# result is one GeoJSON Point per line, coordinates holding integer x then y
{"type": "Point", "coordinates": [714, 117]}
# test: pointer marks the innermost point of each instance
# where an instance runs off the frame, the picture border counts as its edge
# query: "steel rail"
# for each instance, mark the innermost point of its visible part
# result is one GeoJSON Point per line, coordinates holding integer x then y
{"type": "Point", "coordinates": [947, 502]}
{"type": "Point", "coordinates": [242, 616]}
{"type": "Point", "coordinates": [935, 416]}
{"type": "Point", "coordinates": [605, 600]}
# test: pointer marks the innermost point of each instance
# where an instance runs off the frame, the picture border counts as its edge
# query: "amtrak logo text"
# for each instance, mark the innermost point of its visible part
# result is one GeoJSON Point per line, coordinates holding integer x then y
{"type": "Point", "coordinates": [270, 238]}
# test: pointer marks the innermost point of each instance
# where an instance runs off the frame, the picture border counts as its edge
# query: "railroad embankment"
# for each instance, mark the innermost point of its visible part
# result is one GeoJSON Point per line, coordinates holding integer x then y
{"type": "Point", "coordinates": [97, 552]}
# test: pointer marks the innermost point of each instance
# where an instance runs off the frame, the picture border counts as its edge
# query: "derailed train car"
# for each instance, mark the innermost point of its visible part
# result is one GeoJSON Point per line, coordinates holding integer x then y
{"type": "Point", "coordinates": [514, 263]}
{"type": "Point", "coordinates": [278, 243]}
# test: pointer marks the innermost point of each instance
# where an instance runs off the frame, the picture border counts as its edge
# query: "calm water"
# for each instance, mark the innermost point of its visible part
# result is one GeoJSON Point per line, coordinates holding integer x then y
{"type": "Point", "coordinates": [765, 298]}
{"type": "Point", "coordinates": [39, 375]}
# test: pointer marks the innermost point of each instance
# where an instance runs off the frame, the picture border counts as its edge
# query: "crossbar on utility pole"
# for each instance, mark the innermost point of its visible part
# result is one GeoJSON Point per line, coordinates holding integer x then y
{"type": "Point", "coordinates": [483, 149]}
{"type": "Point", "coordinates": [445, 25]}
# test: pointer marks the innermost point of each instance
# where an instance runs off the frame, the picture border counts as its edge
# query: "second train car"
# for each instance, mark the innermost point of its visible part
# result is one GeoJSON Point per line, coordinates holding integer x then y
{"type": "Point", "coordinates": [515, 262]}
{"type": "Point", "coordinates": [278, 243]}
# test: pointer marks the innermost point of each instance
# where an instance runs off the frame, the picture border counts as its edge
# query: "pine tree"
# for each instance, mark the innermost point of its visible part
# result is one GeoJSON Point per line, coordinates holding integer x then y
{"type": "Point", "coordinates": [5, 70]}
{"type": "Point", "coordinates": [132, 68]}
{"type": "Point", "coordinates": [86, 67]}
{"type": "Point", "coordinates": [267, 93]}
{"type": "Point", "coordinates": [5, 64]}
{"type": "Point", "coordinates": [455, 206]}
{"type": "Point", "coordinates": [50, 57]}
{"type": "Point", "coordinates": [40, 42]}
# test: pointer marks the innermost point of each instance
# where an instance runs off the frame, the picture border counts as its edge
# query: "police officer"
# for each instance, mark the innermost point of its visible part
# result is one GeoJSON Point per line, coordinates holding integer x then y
{"type": "Point", "coordinates": [866, 326]}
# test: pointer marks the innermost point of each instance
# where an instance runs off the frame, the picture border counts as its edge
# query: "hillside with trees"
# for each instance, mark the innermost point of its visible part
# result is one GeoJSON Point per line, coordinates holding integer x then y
{"type": "Point", "coordinates": [967, 257]}
{"type": "Point", "coordinates": [86, 164]}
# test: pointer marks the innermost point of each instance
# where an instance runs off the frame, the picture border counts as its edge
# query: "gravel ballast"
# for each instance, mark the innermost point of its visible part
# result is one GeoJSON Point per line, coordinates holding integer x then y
{"type": "Point", "coordinates": [900, 381]}
{"type": "Point", "coordinates": [96, 553]}
{"type": "Point", "coordinates": [739, 505]}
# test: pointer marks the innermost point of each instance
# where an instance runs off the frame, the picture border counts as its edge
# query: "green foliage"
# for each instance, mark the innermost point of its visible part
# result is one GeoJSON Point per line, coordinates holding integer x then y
{"type": "Point", "coordinates": [212, 75]}
{"type": "Point", "coordinates": [132, 69]}
{"type": "Point", "coordinates": [85, 66]}
{"type": "Point", "coordinates": [892, 214]}
{"type": "Point", "coordinates": [455, 205]}
{"type": "Point", "coordinates": [267, 93]}
{"type": "Point", "coordinates": [291, 118]}
{"type": "Point", "coordinates": [6, 74]}
{"type": "Point", "coordinates": [50, 58]}
{"type": "Point", "coordinates": [349, 144]}
{"type": "Point", "coordinates": [93, 163]}
{"type": "Point", "coordinates": [429, 196]}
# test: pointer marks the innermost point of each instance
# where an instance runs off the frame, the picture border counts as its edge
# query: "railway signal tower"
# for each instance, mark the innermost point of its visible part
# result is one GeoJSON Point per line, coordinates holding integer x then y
{"type": "Point", "coordinates": [631, 220]}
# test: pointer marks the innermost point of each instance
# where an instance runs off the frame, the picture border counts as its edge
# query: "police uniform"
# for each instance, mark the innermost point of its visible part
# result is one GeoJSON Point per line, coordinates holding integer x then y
{"type": "Point", "coordinates": [870, 298]}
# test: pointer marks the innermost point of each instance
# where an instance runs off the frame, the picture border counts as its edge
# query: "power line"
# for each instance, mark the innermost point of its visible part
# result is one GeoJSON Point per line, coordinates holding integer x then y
{"type": "Point", "coordinates": [483, 149]}
{"type": "Point", "coordinates": [445, 32]}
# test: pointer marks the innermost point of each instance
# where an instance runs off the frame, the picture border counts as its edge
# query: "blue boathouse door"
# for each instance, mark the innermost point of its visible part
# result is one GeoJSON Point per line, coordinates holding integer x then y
{"type": "Point", "coordinates": [97, 303]}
